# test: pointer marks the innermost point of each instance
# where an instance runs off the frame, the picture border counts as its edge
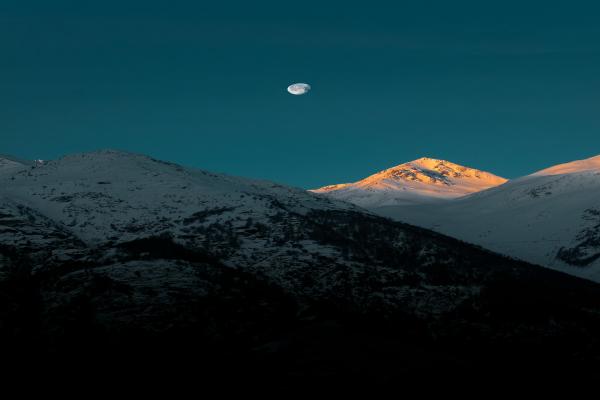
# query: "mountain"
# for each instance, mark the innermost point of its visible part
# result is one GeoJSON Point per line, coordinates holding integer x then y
{"type": "Point", "coordinates": [10, 164]}
{"type": "Point", "coordinates": [425, 180]}
{"type": "Point", "coordinates": [589, 164]}
{"type": "Point", "coordinates": [551, 217]}
{"type": "Point", "coordinates": [113, 195]}
{"type": "Point", "coordinates": [118, 259]}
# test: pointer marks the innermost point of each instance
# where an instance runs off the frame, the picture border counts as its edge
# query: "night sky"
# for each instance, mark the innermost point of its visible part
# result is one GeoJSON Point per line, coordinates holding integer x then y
{"type": "Point", "coordinates": [509, 87]}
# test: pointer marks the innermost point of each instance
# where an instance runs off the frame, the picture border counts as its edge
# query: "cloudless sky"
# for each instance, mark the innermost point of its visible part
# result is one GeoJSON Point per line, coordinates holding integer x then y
{"type": "Point", "coordinates": [505, 86]}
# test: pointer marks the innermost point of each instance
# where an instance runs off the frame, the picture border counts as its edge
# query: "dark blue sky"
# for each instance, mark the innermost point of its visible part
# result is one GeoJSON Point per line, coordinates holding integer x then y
{"type": "Point", "coordinates": [509, 87]}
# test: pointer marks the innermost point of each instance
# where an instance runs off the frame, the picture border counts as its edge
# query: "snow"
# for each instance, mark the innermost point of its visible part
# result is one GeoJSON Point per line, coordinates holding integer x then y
{"type": "Point", "coordinates": [590, 164]}
{"type": "Point", "coordinates": [113, 197]}
{"type": "Point", "coordinates": [426, 180]}
{"type": "Point", "coordinates": [91, 199]}
{"type": "Point", "coordinates": [538, 218]}
{"type": "Point", "coordinates": [84, 208]}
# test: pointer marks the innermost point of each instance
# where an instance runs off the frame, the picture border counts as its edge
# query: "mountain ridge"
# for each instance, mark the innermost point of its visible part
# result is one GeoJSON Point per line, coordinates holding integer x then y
{"type": "Point", "coordinates": [587, 164]}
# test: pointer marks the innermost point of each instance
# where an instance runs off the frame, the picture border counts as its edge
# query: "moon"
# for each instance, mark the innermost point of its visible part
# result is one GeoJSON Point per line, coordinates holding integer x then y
{"type": "Point", "coordinates": [298, 89]}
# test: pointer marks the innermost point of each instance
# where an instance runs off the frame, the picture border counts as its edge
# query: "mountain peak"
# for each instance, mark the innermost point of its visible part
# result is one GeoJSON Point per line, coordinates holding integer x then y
{"type": "Point", "coordinates": [435, 163]}
{"type": "Point", "coordinates": [423, 179]}
{"type": "Point", "coordinates": [427, 160]}
{"type": "Point", "coordinates": [435, 172]}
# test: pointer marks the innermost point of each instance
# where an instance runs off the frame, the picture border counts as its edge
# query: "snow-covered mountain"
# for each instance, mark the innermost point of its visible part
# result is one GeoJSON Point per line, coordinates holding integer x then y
{"type": "Point", "coordinates": [116, 195]}
{"type": "Point", "coordinates": [118, 255]}
{"type": "Point", "coordinates": [97, 202]}
{"type": "Point", "coordinates": [89, 207]}
{"type": "Point", "coordinates": [112, 197]}
{"type": "Point", "coordinates": [551, 217]}
{"type": "Point", "coordinates": [425, 180]}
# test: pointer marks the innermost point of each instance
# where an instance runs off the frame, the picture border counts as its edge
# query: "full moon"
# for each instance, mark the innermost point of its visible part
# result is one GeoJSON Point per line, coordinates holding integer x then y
{"type": "Point", "coordinates": [298, 89]}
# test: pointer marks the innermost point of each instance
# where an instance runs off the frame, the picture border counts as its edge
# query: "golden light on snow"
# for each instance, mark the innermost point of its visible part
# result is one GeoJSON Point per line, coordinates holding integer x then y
{"type": "Point", "coordinates": [420, 180]}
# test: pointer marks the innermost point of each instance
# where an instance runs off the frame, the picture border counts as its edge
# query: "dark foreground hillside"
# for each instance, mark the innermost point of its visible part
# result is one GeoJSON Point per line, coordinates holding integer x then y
{"type": "Point", "coordinates": [156, 305]}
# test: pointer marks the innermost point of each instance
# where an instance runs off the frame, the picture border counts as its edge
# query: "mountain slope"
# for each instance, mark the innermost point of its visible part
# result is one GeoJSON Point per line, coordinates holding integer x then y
{"type": "Point", "coordinates": [550, 218]}
{"type": "Point", "coordinates": [149, 261]}
{"type": "Point", "coordinates": [419, 181]}
{"type": "Point", "coordinates": [109, 198]}
{"type": "Point", "coordinates": [589, 164]}
{"type": "Point", "coordinates": [110, 193]}
{"type": "Point", "coordinates": [9, 165]}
